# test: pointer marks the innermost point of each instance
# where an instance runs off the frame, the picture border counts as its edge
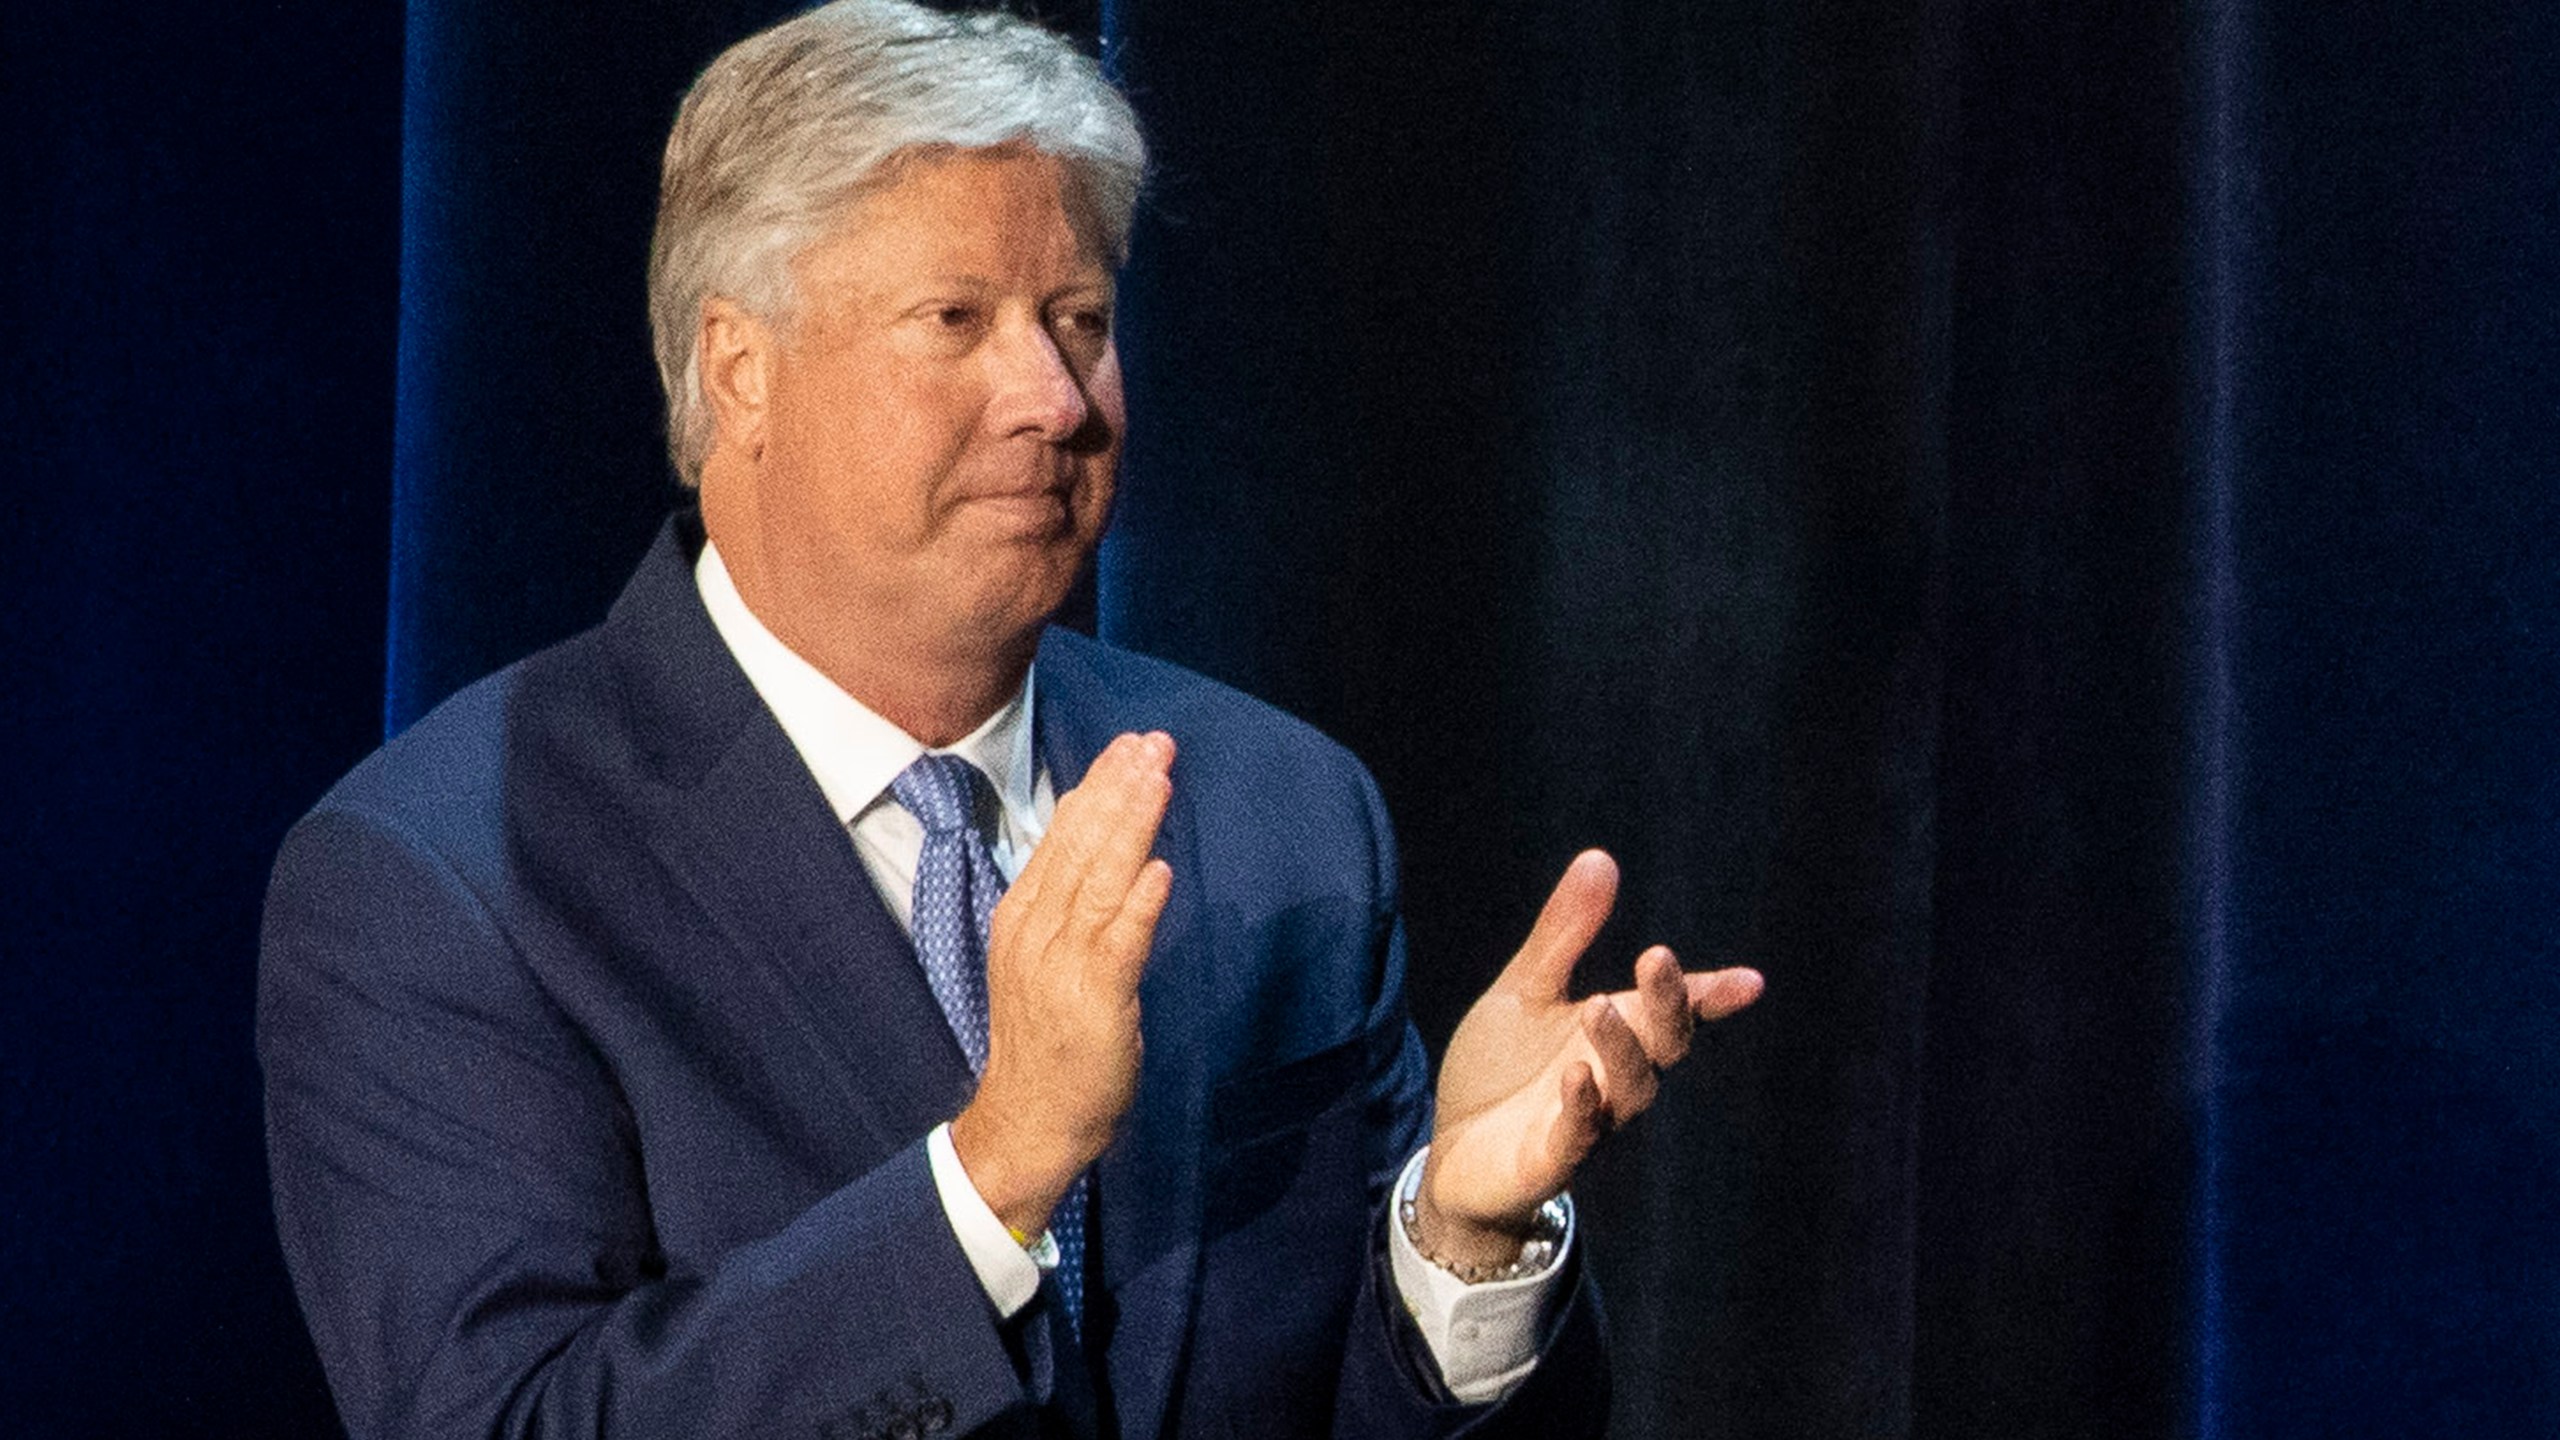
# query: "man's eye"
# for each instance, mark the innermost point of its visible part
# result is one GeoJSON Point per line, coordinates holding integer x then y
{"type": "Point", "coordinates": [1091, 323]}
{"type": "Point", "coordinates": [955, 317]}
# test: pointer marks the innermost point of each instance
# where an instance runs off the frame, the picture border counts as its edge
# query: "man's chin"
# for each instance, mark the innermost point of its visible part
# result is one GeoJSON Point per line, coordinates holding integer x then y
{"type": "Point", "coordinates": [1015, 599]}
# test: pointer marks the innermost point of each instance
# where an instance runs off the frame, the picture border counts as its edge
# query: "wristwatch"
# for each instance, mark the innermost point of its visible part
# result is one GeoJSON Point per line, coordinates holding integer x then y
{"type": "Point", "coordinates": [1547, 1229]}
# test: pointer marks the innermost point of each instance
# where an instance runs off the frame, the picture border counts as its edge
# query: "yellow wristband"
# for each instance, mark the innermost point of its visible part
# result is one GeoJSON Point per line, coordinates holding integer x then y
{"type": "Point", "coordinates": [1042, 1248]}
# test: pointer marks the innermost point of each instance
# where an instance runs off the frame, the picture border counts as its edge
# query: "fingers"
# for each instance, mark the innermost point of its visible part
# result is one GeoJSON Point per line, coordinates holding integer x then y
{"type": "Point", "coordinates": [1566, 925]}
{"type": "Point", "coordinates": [1658, 1008]}
{"type": "Point", "coordinates": [1101, 831]}
{"type": "Point", "coordinates": [1115, 829]}
{"type": "Point", "coordinates": [1132, 930]}
{"type": "Point", "coordinates": [1626, 1075]}
{"type": "Point", "coordinates": [1125, 784]}
{"type": "Point", "coordinates": [1088, 878]}
{"type": "Point", "coordinates": [1666, 1005]}
{"type": "Point", "coordinates": [1717, 993]}
{"type": "Point", "coordinates": [1578, 1127]}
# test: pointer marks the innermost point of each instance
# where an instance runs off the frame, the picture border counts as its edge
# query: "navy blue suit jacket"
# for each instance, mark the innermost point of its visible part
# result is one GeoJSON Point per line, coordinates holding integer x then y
{"type": "Point", "coordinates": [598, 1077]}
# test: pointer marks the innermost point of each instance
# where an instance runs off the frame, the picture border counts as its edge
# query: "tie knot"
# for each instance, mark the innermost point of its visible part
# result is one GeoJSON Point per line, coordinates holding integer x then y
{"type": "Point", "coordinates": [941, 791]}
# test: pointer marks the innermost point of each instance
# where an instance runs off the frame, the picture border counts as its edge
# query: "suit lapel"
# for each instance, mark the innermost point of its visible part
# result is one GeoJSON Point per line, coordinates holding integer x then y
{"type": "Point", "coordinates": [761, 853]}
{"type": "Point", "coordinates": [748, 835]}
{"type": "Point", "coordinates": [744, 829]}
{"type": "Point", "coordinates": [1147, 1184]}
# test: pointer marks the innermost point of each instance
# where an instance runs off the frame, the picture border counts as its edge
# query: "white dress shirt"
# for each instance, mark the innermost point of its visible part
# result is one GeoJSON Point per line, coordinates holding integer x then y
{"type": "Point", "coordinates": [1484, 1337]}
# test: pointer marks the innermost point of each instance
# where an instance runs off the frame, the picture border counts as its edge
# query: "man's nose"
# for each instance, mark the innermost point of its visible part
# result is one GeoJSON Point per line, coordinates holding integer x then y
{"type": "Point", "coordinates": [1037, 390]}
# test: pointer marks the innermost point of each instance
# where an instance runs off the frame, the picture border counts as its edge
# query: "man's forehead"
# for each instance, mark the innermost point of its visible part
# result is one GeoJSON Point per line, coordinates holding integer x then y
{"type": "Point", "coordinates": [980, 216]}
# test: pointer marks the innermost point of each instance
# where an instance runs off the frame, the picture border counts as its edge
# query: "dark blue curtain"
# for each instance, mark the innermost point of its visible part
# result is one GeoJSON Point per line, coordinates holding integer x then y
{"type": "Point", "coordinates": [2388, 1220]}
{"type": "Point", "coordinates": [199, 234]}
{"type": "Point", "coordinates": [2029, 522]}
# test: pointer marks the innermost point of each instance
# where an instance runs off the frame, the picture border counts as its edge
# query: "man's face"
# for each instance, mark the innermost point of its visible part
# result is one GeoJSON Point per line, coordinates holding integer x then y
{"type": "Point", "coordinates": [943, 412]}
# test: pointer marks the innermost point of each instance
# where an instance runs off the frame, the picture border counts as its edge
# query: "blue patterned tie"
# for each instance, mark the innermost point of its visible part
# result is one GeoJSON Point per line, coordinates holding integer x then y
{"type": "Point", "coordinates": [957, 887]}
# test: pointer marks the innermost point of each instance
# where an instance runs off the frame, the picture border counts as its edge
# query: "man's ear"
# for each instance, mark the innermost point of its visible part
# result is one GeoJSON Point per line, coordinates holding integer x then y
{"type": "Point", "coordinates": [735, 354]}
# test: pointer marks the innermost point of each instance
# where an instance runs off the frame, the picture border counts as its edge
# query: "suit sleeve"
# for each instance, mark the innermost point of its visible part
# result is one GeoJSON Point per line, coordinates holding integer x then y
{"type": "Point", "coordinates": [463, 1204]}
{"type": "Point", "coordinates": [1390, 1385]}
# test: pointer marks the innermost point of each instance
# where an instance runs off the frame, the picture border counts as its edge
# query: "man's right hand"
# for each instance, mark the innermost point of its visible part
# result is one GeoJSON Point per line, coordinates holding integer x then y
{"type": "Point", "coordinates": [1068, 945]}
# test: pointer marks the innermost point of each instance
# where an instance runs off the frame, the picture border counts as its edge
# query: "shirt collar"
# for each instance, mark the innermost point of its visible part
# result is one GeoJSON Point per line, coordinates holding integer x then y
{"type": "Point", "coordinates": [851, 749]}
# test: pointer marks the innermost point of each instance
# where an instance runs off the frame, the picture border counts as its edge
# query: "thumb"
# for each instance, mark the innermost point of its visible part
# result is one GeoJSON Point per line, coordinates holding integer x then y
{"type": "Point", "coordinates": [1567, 924]}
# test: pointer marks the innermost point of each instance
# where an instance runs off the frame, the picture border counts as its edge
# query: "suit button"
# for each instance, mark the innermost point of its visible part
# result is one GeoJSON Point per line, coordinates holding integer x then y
{"type": "Point", "coordinates": [936, 1415]}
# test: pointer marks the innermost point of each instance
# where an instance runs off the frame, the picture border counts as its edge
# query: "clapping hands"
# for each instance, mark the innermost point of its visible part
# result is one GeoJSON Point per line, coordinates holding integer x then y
{"type": "Point", "coordinates": [1533, 1079]}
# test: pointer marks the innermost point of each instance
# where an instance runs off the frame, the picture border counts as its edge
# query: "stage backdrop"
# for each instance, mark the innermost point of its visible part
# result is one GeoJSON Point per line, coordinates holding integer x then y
{"type": "Point", "coordinates": [2027, 522]}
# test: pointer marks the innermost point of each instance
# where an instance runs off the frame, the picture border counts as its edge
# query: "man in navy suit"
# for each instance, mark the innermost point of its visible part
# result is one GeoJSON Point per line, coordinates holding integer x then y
{"type": "Point", "coordinates": [825, 1000]}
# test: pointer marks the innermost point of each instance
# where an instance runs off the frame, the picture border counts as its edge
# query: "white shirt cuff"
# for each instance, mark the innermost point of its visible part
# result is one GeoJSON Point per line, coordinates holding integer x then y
{"type": "Point", "coordinates": [1485, 1337]}
{"type": "Point", "coordinates": [1006, 1271]}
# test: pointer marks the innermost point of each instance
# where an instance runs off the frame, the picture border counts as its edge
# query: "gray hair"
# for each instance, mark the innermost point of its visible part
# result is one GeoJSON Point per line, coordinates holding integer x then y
{"type": "Point", "coordinates": [791, 125]}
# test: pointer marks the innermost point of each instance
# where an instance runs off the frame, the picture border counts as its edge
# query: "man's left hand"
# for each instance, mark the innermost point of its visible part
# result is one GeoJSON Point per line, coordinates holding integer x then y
{"type": "Point", "coordinates": [1533, 1078]}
